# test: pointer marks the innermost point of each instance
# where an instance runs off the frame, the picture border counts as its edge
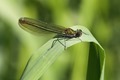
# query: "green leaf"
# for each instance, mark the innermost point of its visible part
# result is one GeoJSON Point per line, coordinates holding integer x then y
{"type": "Point", "coordinates": [43, 58]}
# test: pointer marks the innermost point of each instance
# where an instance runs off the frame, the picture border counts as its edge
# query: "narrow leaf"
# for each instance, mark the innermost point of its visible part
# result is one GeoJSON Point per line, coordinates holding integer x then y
{"type": "Point", "coordinates": [43, 58]}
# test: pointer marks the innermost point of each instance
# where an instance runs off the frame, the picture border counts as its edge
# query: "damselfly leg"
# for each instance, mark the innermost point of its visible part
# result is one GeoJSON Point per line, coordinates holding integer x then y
{"type": "Point", "coordinates": [58, 40]}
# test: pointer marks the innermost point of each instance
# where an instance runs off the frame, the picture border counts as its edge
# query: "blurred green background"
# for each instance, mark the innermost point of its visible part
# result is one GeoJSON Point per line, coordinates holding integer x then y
{"type": "Point", "coordinates": [102, 17]}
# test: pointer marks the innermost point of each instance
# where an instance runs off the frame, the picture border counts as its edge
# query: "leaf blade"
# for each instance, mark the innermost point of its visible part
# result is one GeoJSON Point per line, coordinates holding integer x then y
{"type": "Point", "coordinates": [39, 63]}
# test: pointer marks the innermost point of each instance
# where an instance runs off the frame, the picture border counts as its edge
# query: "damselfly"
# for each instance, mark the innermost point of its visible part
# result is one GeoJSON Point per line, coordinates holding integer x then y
{"type": "Point", "coordinates": [42, 27]}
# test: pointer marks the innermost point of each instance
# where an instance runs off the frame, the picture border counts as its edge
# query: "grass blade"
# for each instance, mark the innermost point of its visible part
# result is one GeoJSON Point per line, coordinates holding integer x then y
{"type": "Point", "coordinates": [42, 59]}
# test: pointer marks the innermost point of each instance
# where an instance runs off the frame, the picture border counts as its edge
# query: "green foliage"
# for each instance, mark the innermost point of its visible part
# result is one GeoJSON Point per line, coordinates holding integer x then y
{"type": "Point", "coordinates": [102, 17]}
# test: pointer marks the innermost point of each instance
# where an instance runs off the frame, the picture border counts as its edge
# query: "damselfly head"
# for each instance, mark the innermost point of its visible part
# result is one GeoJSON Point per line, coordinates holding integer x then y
{"type": "Point", "coordinates": [78, 33]}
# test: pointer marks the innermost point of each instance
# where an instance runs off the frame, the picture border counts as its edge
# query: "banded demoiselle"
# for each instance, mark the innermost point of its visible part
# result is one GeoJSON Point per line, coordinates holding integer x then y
{"type": "Point", "coordinates": [41, 27]}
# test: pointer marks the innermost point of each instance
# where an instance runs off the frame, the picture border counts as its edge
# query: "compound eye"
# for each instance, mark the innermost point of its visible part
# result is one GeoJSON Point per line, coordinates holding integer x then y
{"type": "Point", "coordinates": [78, 34]}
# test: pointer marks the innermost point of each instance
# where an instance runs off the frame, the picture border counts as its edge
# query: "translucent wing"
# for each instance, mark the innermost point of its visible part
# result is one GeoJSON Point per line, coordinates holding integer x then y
{"type": "Point", "coordinates": [39, 27]}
